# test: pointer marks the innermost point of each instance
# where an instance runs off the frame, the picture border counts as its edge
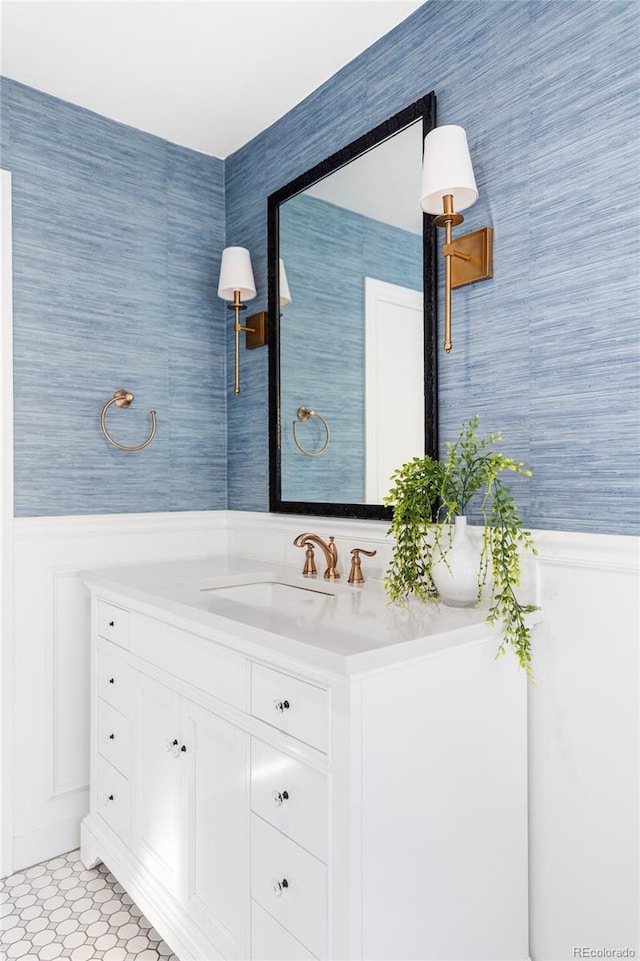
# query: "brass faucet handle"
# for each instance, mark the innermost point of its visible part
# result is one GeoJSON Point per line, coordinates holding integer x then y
{"type": "Point", "coordinates": [309, 569]}
{"type": "Point", "coordinates": [355, 574]}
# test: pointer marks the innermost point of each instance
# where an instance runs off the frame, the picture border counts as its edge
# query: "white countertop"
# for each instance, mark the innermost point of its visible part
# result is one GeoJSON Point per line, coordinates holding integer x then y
{"type": "Point", "coordinates": [338, 627]}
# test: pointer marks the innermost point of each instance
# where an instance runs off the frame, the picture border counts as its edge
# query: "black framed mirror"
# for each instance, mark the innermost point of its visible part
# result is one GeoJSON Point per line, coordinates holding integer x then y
{"type": "Point", "coordinates": [352, 323]}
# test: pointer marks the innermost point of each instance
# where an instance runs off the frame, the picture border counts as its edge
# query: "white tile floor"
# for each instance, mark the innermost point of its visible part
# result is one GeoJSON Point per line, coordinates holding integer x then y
{"type": "Point", "coordinates": [60, 910]}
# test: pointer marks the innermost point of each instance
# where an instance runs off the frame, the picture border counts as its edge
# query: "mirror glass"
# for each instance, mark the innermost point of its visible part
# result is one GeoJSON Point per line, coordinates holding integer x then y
{"type": "Point", "coordinates": [352, 371]}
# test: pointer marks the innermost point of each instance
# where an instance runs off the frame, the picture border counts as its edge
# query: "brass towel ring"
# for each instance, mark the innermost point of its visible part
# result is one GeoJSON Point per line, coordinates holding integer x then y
{"type": "Point", "coordinates": [304, 413]}
{"type": "Point", "coordinates": [122, 398]}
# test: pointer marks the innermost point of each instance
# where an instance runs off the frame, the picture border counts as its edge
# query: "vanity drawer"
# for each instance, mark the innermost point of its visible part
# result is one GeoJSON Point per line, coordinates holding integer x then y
{"type": "Point", "coordinates": [113, 736]}
{"type": "Point", "coordinates": [112, 623]}
{"type": "Point", "coordinates": [197, 660]}
{"type": "Point", "coordinates": [112, 799]}
{"type": "Point", "coordinates": [114, 680]}
{"type": "Point", "coordinates": [270, 941]}
{"type": "Point", "coordinates": [290, 884]}
{"type": "Point", "coordinates": [295, 707]}
{"type": "Point", "coordinates": [291, 796]}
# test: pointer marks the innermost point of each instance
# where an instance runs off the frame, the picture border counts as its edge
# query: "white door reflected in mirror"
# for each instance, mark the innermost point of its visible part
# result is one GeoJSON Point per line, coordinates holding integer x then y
{"type": "Point", "coordinates": [394, 382]}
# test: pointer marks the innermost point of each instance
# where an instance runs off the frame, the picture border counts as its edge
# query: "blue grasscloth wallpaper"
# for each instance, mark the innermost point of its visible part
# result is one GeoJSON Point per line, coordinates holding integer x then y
{"type": "Point", "coordinates": [117, 240]}
{"type": "Point", "coordinates": [117, 237]}
{"type": "Point", "coordinates": [548, 350]}
{"type": "Point", "coordinates": [328, 251]}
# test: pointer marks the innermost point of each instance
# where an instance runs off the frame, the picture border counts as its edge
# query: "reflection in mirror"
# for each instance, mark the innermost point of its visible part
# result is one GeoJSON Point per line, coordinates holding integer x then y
{"type": "Point", "coordinates": [355, 328]}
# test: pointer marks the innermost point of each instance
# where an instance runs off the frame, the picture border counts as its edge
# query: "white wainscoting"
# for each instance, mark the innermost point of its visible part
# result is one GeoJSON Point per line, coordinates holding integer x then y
{"type": "Point", "coordinates": [6, 520]}
{"type": "Point", "coordinates": [51, 656]}
{"type": "Point", "coordinates": [584, 748]}
{"type": "Point", "coordinates": [583, 713]}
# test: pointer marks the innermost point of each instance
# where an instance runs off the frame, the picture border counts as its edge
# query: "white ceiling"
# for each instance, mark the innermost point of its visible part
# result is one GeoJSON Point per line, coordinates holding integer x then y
{"type": "Point", "coordinates": [209, 74]}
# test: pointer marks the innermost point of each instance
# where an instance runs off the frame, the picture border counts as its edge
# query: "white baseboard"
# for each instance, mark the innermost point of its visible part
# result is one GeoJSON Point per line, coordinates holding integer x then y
{"type": "Point", "coordinates": [46, 842]}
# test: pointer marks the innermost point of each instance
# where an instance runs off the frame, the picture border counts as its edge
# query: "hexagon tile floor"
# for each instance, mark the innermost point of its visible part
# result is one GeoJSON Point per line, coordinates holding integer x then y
{"type": "Point", "coordinates": [58, 909]}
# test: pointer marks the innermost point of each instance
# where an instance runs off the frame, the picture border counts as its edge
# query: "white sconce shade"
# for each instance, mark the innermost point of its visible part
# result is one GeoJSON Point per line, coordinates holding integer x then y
{"type": "Point", "coordinates": [236, 274]}
{"type": "Point", "coordinates": [283, 286]}
{"type": "Point", "coordinates": [447, 169]}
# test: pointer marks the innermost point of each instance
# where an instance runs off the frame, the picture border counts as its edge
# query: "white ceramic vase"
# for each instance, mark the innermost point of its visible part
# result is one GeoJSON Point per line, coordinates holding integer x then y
{"type": "Point", "coordinates": [456, 575]}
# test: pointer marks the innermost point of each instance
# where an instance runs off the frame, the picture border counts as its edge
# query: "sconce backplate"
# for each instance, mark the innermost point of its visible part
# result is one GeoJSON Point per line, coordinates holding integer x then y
{"type": "Point", "coordinates": [257, 335]}
{"type": "Point", "coordinates": [478, 248]}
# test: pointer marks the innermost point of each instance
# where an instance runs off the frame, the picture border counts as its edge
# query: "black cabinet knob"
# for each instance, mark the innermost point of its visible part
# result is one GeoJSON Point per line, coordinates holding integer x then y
{"type": "Point", "coordinates": [112, 623]}
{"type": "Point", "coordinates": [183, 748]}
{"type": "Point", "coordinates": [112, 680]}
{"type": "Point", "coordinates": [112, 737]}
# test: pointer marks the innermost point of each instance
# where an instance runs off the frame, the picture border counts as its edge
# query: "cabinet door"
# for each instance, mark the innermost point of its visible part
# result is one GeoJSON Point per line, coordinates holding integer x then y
{"type": "Point", "coordinates": [217, 882]}
{"type": "Point", "coordinates": [156, 780]}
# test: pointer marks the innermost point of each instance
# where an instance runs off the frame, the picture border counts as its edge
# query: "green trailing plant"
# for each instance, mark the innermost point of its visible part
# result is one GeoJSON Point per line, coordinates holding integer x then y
{"type": "Point", "coordinates": [426, 496]}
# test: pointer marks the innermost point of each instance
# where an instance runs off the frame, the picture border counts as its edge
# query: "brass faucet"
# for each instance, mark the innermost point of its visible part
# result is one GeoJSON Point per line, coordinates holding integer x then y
{"type": "Point", "coordinates": [329, 550]}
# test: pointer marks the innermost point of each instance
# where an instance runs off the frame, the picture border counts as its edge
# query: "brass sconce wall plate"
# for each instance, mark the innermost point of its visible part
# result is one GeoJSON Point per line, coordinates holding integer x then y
{"type": "Point", "coordinates": [473, 257]}
{"type": "Point", "coordinates": [256, 336]}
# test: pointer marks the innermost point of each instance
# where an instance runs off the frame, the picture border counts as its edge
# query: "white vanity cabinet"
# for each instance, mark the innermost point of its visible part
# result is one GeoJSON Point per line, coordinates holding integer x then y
{"type": "Point", "coordinates": [259, 807]}
{"type": "Point", "coordinates": [159, 774]}
{"type": "Point", "coordinates": [188, 789]}
{"type": "Point", "coordinates": [170, 783]}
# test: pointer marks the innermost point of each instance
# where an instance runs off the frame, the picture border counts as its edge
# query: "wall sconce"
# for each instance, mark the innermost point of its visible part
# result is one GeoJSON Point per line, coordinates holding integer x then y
{"type": "Point", "coordinates": [256, 333]}
{"type": "Point", "coordinates": [236, 284]}
{"type": "Point", "coordinates": [284, 294]}
{"type": "Point", "coordinates": [448, 185]}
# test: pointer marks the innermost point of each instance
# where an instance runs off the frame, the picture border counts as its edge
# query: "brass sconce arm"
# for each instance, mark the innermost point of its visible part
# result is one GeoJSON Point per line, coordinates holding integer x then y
{"type": "Point", "coordinates": [237, 306]}
{"type": "Point", "coordinates": [447, 219]}
{"type": "Point", "coordinates": [467, 259]}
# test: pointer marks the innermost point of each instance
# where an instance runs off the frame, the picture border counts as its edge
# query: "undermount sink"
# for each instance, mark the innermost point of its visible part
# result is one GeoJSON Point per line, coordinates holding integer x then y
{"type": "Point", "coordinates": [271, 594]}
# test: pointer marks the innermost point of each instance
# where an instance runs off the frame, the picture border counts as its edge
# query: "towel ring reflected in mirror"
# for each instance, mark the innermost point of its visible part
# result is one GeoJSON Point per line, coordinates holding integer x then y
{"type": "Point", "coordinates": [304, 414]}
{"type": "Point", "coordinates": [123, 398]}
